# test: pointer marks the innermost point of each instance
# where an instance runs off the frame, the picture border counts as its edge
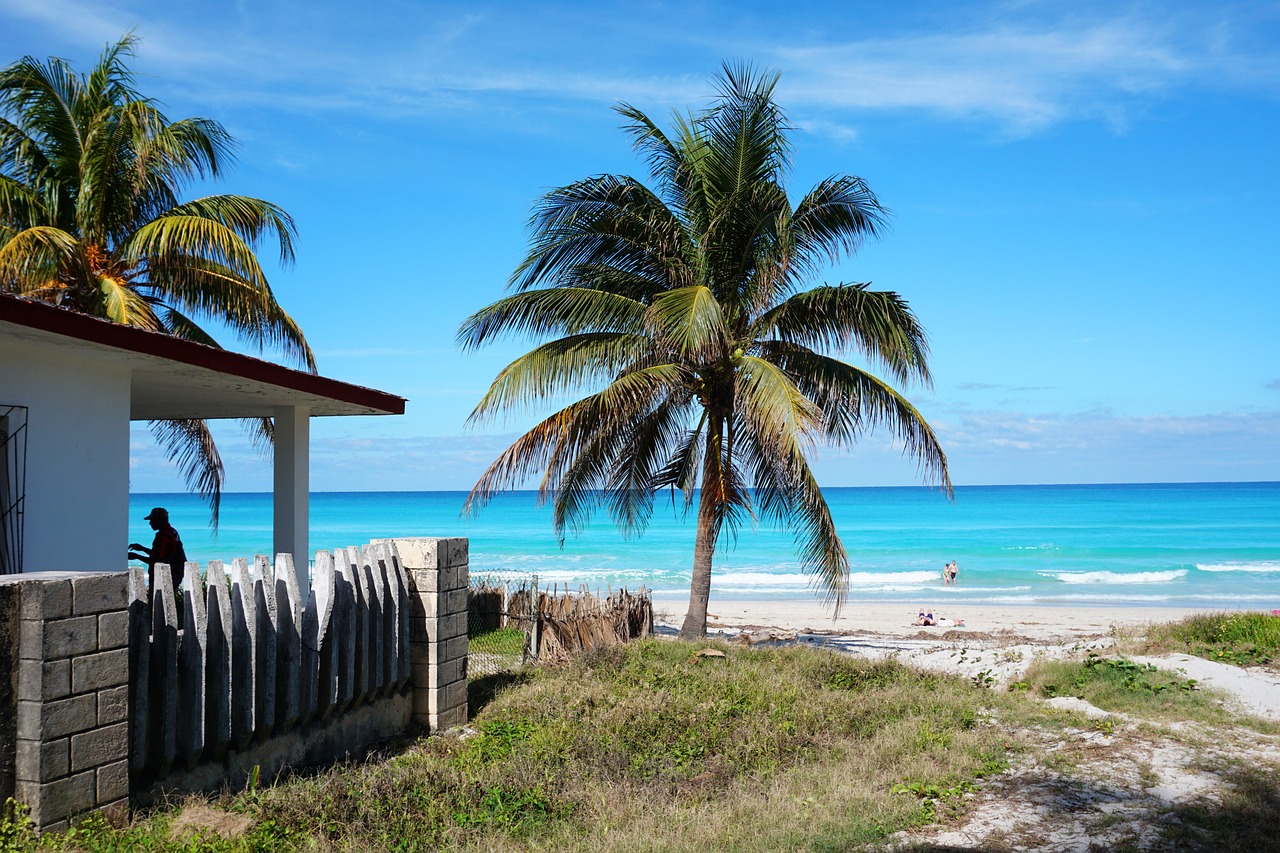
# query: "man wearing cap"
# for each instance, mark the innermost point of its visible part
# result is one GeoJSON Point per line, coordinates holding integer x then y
{"type": "Point", "coordinates": [167, 548]}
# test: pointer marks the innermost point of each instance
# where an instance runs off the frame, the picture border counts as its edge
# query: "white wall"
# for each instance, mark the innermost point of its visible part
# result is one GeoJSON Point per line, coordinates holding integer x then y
{"type": "Point", "coordinates": [77, 495]}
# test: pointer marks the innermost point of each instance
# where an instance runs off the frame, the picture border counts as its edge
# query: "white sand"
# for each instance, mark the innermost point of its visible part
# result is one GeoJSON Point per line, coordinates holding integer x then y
{"type": "Point", "coordinates": [1041, 624]}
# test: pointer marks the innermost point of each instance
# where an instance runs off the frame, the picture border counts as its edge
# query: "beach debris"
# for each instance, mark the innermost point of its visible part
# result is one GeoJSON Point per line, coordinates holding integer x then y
{"type": "Point", "coordinates": [709, 653]}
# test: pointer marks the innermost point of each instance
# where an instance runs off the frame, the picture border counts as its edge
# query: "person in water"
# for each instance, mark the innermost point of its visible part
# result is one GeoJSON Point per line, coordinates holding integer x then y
{"type": "Point", "coordinates": [952, 571]}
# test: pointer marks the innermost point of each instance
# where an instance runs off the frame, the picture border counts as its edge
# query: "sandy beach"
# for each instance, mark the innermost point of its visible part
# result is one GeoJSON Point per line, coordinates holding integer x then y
{"type": "Point", "coordinates": [1037, 624]}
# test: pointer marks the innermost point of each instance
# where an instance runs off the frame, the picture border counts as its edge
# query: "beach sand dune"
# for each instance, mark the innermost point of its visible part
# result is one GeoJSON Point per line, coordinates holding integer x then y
{"type": "Point", "coordinates": [1038, 624]}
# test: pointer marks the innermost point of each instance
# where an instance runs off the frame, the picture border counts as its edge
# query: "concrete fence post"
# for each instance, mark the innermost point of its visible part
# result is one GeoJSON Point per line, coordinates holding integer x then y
{"type": "Point", "coordinates": [438, 582]}
{"type": "Point", "coordinates": [72, 716]}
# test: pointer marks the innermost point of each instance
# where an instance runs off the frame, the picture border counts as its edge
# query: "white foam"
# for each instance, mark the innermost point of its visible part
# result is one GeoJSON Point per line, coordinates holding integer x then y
{"type": "Point", "coordinates": [754, 579]}
{"type": "Point", "coordinates": [1260, 566]}
{"type": "Point", "coordinates": [1116, 577]}
{"type": "Point", "coordinates": [893, 578]}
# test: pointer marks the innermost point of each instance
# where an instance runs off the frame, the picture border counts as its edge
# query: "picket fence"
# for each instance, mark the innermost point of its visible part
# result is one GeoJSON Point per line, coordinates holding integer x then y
{"type": "Point", "coordinates": [239, 660]}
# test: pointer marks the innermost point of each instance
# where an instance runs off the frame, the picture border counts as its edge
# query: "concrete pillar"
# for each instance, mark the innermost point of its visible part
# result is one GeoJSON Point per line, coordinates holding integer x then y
{"type": "Point", "coordinates": [438, 582]}
{"type": "Point", "coordinates": [293, 487]}
{"type": "Point", "coordinates": [72, 716]}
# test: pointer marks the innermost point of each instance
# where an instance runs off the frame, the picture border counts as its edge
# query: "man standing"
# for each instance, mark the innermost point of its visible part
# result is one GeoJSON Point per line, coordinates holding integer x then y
{"type": "Point", "coordinates": [166, 548]}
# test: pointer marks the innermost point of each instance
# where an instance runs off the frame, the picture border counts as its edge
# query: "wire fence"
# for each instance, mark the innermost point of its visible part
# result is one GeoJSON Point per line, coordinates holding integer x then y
{"type": "Point", "coordinates": [500, 620]}
{"type": "Point", "coordinates": [512, 623]}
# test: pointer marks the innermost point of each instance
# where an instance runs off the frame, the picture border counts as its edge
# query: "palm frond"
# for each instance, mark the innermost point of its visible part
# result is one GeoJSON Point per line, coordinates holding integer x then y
{"type": "Point", "coordinates": [562, 366]}
{"type": "Point", "coordinates": [189, 445]}
{"type": "Point", "coordinates": [30, 259]}
{"type": "Point", "coordinates": [689, 321]}
{"type": "Point", "coordinates": [606, 221]}
{"type": "Point", "coordinates": [879, 324]}
{"type": "Point", "coordinates": [854, 402]}
{"type": "Point", "coordinates": [552, 310]}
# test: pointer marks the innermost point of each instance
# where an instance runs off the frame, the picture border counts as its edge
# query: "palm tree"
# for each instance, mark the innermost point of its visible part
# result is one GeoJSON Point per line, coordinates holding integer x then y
{"type": "Point", "coordinates": [682, 314]}
{"type": "Point", "coordinates": [91, 218]}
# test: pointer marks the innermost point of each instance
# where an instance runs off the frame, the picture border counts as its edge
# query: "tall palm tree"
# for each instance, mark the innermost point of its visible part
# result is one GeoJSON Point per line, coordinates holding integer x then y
{"type": "Point", "coordinates": [91, 218]}
{"type": "Point", "coordinates": [682, 314]}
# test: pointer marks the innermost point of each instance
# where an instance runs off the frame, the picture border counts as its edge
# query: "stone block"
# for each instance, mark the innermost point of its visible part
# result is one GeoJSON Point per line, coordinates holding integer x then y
{"type": "Point", "coordinates": [31, 639]}
{"type": "Point", "coordinates": [65, 638]}
{"type": "Point", "coordinates": [446, 673]}
{"type": "Point", "coordinates": [113, 630]}
{"type": "Point", "coordinates": [457, 551]}
{"type": "Point", "coordinates": [39, 681]}
{"type": "Point", "coordinates": [419, 669]}
{"type": "Point", "coordinates": [453, 577]}
{"type": "Point", "coordinates": [420, 553]}
{"type": "Point", "coordinates": [100, 746]}
{"type": "Point", "coordinates": [451, 626]}
{"type": "Point", "coordinates": [49, 720]}
{"type": "Point", "coordinates": [113, 782]}
{"type": "Point", "coordinates": [99, 593]}
{"type": "Point", "coordinates": [43, 600]}
{"type": "Point", "coordinates": [101, 670]}
{"type": "Point", "coordinates": [42, 762]}
{"type": "Point", "coordinates": [454, 601]}
{"type": "Point", "coordinates": [451, 719]}
{"type": "Point", "coordinates": [422, 704]}
{"type": "Point", "coordinates": [455, 694]}
{"type": "Point", "coordinates": [113, 705]}
{"type": "Point", "coordinates": [424, 581]}
{"type": "Point", "coordinates": [420, 631]}
{"type": "Point", "coordinates": [447, 698]}
{"type": "Point", "coordinates": [455, 648]}
{"type": "Point", "coordinates": [53, 802]}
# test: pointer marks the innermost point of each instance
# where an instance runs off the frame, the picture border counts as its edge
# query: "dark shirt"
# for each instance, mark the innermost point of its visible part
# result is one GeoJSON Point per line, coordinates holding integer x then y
{"type": "Point", "coordinates": [167, 548]}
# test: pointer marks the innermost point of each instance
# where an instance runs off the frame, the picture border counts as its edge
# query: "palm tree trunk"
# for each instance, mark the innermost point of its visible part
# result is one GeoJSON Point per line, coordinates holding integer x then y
{"type": "Point", "coordinates": [695, 621]}
{"type": "Point", "coordinates": [709, 500]}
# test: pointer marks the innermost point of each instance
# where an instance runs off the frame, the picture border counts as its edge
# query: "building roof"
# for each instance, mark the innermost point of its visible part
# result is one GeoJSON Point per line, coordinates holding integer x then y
{"type": "Point", "coordinates": [175, 378]}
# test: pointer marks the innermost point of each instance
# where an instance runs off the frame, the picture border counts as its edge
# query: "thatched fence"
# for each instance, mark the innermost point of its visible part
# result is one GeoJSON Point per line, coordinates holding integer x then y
{"type": "Point", "coordinates": [550, 625]}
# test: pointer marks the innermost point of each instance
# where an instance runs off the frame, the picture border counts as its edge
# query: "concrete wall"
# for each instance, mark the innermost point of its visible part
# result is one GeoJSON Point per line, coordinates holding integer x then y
{"type": "Point", "coordinates": [71, 752]}
{"type": "Point", "coordinates": [111, 696]}
{"type": "Point", "coordinates": [77, 495]}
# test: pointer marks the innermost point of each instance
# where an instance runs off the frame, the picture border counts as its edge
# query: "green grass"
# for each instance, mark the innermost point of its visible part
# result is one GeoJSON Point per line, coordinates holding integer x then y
{"type": "Point", "coordinates": [503, 641]}
{"type": "Point", "coordinates": [647, 746]}
{"type": "Point", "coordinates": [1124, 686]}
{"type": "Point", "coordinates": [1243, 638]}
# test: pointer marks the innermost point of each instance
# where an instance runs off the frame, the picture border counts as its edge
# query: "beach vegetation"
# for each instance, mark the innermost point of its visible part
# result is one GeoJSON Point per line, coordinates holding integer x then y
{"type": "Point", "coordinates": [1120, 685]}
{"type": "Point", "coordinates": [647, 746]}
{"type": "Point", "coordinates": [1242, 638]}
{"type": "Point", "coordinates": [92, 218]}
{"type": "Point", "coordinates": [687, 313]}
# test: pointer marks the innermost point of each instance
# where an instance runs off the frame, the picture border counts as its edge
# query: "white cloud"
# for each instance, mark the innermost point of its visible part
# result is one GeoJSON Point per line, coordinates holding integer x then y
{"type": "Point", "coordinates": [1023, 68]}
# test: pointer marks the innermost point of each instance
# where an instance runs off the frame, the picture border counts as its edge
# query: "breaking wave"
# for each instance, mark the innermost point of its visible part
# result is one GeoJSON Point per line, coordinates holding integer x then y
{"type": "Point", "coordinates": [1116, 577]}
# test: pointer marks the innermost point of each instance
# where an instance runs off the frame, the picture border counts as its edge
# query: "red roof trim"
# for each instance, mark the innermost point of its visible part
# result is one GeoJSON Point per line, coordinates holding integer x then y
{"type": "Point", "coordinates": [60, 321]}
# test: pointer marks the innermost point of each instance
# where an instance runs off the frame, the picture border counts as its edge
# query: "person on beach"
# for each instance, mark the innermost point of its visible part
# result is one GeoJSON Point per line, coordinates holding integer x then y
{"type": "Point", "coordinates": [926, 618]}
{"type": "Point", "coordinates": [165, 548]}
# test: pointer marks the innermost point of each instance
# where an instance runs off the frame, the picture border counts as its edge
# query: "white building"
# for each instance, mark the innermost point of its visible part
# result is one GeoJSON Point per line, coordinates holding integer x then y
{"type": "Point", "coordinates": [69, 386]}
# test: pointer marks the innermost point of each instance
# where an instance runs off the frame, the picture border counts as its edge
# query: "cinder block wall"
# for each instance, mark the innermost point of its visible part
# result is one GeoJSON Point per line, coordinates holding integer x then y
{"type": "Point", "coordinates": [439, 577]}
{"type": "Point", "coordinates": [68, 676]}
{"type": "Point", "coordinates": [72, 716]}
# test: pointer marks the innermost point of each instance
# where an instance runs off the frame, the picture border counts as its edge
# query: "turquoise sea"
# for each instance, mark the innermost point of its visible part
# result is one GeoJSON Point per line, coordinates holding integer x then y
{"type": "Point", "coordinates": [1211, 545]}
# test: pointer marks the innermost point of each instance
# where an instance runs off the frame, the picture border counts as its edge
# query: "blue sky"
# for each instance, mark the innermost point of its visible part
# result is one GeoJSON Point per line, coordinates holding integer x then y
{"type": "Point", "coordinates": [1085, 199]}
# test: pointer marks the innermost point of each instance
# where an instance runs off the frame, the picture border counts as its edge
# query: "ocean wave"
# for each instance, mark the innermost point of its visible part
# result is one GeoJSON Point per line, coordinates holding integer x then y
{"type": "Point", "coordinates": [759, 579]}
{"type": "Point", "coordinates": [1260, 566]}
{"type": "Point", "coordinates": [1105, 577]}
{"type": "Point", "coordinates": [893, 578]}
